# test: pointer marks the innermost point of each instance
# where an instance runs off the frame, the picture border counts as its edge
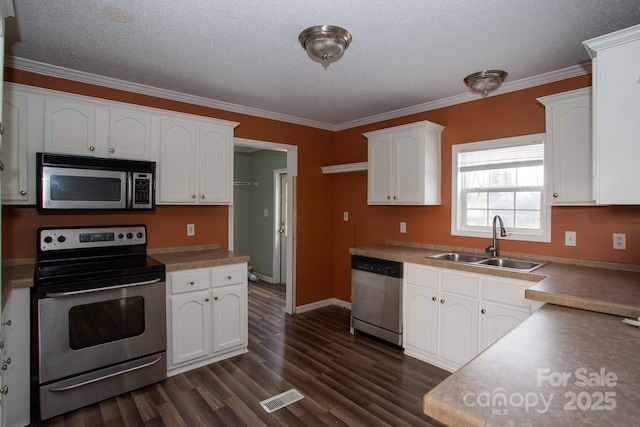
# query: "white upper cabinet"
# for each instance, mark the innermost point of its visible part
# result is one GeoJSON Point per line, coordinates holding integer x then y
{"type": "Point", "coordinates": [69, 127]}
{"type": "Point", "coordinates": [196, 162]}
{"type": "Point", "coordinates": [569, 148]}
{"type": "Point", "coordinates": [18, 184]}
{"type": "Point", "coordinates": [616, 105]}
{"type": "Point", "coordinates": [73, 125]}
{"type": "Point", "coordinates": [404, 165]}
{"type": "Point", "coordinates": [129, 134]}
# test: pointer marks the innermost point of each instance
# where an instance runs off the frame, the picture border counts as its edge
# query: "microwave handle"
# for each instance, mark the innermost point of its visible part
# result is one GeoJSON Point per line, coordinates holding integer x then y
{"type": "Point", "coordinates": [129, 190]}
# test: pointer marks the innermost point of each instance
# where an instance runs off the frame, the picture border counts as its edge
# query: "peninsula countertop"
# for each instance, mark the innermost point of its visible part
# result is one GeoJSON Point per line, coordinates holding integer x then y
{"type": "Point", "coordinates": [561, 366]}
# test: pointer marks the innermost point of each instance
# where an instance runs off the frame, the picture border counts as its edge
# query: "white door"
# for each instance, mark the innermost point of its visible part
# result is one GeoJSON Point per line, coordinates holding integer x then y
{"type": "Point", "coordinates": [282, 233]}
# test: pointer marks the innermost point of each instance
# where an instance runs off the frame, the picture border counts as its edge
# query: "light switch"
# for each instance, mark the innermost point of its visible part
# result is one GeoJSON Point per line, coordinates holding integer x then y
{"type": "Point", "coordinates": [569, 238]}
{"type": "Point", "coordinates": [403, 227]}
{"type": "Point", "coordinates": [266, 213]}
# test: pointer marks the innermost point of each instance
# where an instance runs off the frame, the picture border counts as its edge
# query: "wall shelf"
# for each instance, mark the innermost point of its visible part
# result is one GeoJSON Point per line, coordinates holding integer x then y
{"type": "Point", "coordinates": [344, 168]}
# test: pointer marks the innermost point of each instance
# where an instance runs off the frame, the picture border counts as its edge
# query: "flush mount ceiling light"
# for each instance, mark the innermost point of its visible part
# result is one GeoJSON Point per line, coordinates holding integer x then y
{"type": "Point", "coordinates": [486, 81]}
{"type": "Point", "coordinates": [325, 43]}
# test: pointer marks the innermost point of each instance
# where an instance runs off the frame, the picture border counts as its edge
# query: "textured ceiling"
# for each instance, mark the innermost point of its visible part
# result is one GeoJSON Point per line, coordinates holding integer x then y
{"type": "Point", "coordinates": [404, 53]}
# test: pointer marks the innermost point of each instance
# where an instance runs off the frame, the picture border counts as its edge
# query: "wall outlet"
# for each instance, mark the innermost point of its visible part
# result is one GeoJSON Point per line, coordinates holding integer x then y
{"type": "Point", "coordinates": [569, 238]}
{"type": "Point", "coordinates": [191, 229]}
{"type": "Point", "coordinates": [345, 216]}
{"type": "Point", "coordinates": [403, 227]}
{"type": "Point", "coordinates": [619, 241]}
{"type": "Point", "coordinates": [266, 213]}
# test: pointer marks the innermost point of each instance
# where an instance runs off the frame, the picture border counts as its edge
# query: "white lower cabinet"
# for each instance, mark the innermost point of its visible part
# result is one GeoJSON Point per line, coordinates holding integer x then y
{"type": "Point", "coordinates": [14, 365]}
{"type": "Point", "coordinates": [451, 316]}
{"type": "Point", "coordinates": [206, 316]}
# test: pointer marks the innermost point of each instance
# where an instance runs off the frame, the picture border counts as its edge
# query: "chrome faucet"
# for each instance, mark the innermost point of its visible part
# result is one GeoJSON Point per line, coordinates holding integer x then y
{"type": "Point", "coordinates": [493, 247]}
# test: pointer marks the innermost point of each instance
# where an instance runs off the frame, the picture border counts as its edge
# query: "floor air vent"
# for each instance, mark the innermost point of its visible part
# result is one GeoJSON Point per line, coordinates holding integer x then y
{"type": "Point", "coordinates": [280, 401]}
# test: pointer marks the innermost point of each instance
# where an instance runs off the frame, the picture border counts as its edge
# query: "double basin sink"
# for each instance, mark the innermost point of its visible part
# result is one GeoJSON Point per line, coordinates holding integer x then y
{"type": "Point", "coordinates": [480, 260]}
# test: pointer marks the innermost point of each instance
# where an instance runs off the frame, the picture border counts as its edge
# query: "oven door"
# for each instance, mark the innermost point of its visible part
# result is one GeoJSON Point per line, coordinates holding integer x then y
{"type": "Point", "coordinates": [80, 331]}
{"type": "Point", "coordinates": [69, 188]}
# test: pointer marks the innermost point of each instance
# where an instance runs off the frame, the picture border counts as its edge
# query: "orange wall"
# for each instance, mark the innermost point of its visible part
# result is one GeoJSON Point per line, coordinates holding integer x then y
{"type": "Point", "coordinates": [167, 225]}
{"type": "Point", "coordinates": [498, 116]}
{"type": "Point", "coordinates": [323, 238]}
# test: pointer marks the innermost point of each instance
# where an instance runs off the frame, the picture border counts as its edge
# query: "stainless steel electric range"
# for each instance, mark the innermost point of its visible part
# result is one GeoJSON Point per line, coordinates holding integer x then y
{"type": "Point", "coordinates": [99, 323]}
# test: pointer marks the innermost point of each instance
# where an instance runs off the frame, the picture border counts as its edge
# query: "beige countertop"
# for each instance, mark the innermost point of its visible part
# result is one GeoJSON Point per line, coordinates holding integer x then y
{"type": "Point", "coordinates": [561, 366]}
{"type": "Point", "coordinates": [188, 259]}
{"type": "Point", "coordinates": [15, 277]}
{"type": "Point", "coordinates": [604, 290]}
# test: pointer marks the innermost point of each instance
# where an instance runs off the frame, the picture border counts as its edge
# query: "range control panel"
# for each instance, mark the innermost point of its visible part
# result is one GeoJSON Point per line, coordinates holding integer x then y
{"type": "Point", "coordinates": [52, 239]}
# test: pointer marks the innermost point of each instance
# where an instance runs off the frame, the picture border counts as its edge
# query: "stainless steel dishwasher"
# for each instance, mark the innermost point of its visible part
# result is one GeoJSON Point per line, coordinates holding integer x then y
{"type": "Point", "coordinates": [376, 298]}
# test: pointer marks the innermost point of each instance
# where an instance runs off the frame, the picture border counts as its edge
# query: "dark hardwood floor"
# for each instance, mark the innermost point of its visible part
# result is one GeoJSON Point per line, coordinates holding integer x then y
{"type": "Point", "coordinates": [346, 380]}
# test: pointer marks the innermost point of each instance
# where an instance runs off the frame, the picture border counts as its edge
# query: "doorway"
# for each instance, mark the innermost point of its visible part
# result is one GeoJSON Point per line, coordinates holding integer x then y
{"type": "Point", "coordinates": [281, 215]}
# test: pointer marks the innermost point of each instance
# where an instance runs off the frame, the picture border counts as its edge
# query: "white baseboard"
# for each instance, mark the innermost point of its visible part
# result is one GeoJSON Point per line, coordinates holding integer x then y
{"type": "Point", "coordinates": [324, 303]}
{"type": "Point", "coordinates": [263, 278]}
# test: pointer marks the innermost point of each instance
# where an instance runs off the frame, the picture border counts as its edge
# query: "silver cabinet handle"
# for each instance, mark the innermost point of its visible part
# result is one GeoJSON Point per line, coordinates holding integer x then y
{"type": "Point", "coordinates": [4, 367]}
{"type": "Point", "coordinates": [555, 194]}
{"type": "Point", "coordinates": [1, 166]}
{"type": "Point", "coordinates": [215, 298]}
{"type": "Point", "coordinates": [1, 129]}
{"type": "Point", "coordinates": [92, 148]}
{"type": "Point", "coordinates": [23, 192]}
{"type": "Point", "coordinates": [4, 390]}
{"type": "Point", "coordinates": [192, 282]}
{"type": "Point", "coordinates": [193, 196]}
{"type": "Point", "coordinates": [112, 150]}
{"type": "Point", "coordinates": [206, 299]}
{"type": "Point", "coordinates": [483, 311]}
{"type": "Point", "coordinates": [442, 301]}
{"type": "Point", "coordinates": [433, 298]}
{"type": "Point", "coordinates": [7, 361]}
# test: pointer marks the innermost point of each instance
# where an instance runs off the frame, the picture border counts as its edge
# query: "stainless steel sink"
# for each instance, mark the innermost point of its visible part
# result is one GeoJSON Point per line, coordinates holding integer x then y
{"type": "Point", "coordinates": [480, 260]}
{"type": "Point", "coordinates": [515, 264]}
{"type": "Point", "coordinates": [458, 257]}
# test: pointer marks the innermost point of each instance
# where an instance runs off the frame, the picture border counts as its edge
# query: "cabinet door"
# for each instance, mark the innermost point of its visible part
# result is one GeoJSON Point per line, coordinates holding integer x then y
{"type": "Point", "coordinates": [617, 127]}
{"type": "Point", "coordinates": [216, 164]}
{"type": "Point", "coordinates": [190, 326]}
{"type": "Point", "coordinates": [15, 153]}
{"type": "Point", "coordinates": [408, 167]}
{"type": "Point", "coordinates": [569, 137]}
{"type": "Point", "coordinates": [496, 321]}
{"type": "Point", "coordinates": [380, 169]}
{"type": "Point", "coordinates": [229, 317]}
{"type": "Point", "coordinates": [421, 319]}
{"type": "Point", "coordinates": [129, 134]}
{"type": "Point", "coordinates": [177, 168]}
{"type": "Point", "coordinates": [16, 348]}
{"type": "Point", "coordinates": [458, 328]}
{"type": "Point", "coordinates": [69, 127]}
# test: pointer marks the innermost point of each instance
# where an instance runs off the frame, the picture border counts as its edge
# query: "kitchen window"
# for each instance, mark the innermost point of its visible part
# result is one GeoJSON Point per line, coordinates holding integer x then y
{"type": "Point", "coordinates": [500, 177]}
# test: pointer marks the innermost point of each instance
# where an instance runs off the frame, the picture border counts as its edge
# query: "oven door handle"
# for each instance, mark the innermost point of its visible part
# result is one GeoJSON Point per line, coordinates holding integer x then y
{"type": "Point", "coordinates": [135, 368]}
{"type": "Point", "coordinates": [86, 291]}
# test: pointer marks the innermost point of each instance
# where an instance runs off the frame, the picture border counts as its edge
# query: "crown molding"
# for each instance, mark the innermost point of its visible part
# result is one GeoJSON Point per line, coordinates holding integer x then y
{"type": "Point", "coordinates": [94, 79]}
{"type": "Point", "coordinates": [553, 76]}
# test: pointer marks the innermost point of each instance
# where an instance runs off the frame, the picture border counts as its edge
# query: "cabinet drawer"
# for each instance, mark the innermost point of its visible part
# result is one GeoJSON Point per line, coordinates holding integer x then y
{"type": "Point", "coordinates": [460, 284]}
{"type": "Point", "coordinates": [230, 275]}
{"type": "Point", "coordinates": [422, 276]}
{"type": "Point", "coordinates": [506, 292]}
{"type": "Point", "coordinates": [188, 281]}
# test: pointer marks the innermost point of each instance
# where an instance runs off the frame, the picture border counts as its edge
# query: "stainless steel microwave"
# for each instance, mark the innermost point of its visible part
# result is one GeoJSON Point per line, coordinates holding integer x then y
{"type": "Point", "coordinates": [77, 182]}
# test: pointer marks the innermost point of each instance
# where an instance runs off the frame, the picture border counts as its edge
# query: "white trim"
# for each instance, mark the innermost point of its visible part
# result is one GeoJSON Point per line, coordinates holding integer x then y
{"type": "Point", "coordinates": [545, 209]}
{"type": "Point", "coordinates": [79, 76]}
{"type": "Point", "coordinates": [324, 303]}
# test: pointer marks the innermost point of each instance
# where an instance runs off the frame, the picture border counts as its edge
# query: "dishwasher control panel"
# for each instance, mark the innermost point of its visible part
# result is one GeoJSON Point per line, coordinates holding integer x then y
{"type": "Point", "coordinates": [376, 266]}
